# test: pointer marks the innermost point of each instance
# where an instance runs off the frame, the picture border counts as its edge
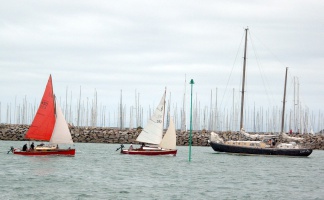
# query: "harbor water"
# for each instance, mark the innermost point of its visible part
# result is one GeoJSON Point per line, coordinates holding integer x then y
{"type": "Point", "coordinates": [98, 171]}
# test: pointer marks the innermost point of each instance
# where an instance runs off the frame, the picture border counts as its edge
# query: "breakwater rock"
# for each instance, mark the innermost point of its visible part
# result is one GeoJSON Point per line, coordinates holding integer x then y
{"type": "Point", "coordinates": [103, 135]}
{"type": "Point", "coordinates": [127, 136]}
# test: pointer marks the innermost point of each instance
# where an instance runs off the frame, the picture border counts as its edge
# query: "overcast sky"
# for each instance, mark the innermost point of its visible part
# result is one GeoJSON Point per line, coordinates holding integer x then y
{"type": "Point", "coordinates": [145, 46]}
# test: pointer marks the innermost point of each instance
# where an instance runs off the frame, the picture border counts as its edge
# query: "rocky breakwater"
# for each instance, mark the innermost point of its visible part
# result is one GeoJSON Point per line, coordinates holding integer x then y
{"type": "Point", "coordinates": [103, 135]}
{"type": "Point", "coordinates": [127, 136]}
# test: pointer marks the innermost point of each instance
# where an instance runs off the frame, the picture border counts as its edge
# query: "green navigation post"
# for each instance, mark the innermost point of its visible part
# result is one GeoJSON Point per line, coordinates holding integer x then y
{"type": "Point", "coordinates": [190, 136]}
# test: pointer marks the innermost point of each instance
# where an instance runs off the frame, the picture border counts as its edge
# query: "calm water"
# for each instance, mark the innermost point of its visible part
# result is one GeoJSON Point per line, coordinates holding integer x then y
{"type": "Point", "coordinates": [99, 172]}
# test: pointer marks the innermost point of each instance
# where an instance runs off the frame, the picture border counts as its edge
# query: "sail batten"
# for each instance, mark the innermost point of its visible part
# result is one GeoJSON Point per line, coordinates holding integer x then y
{"type": "Point", "coordinates": [44, 120]}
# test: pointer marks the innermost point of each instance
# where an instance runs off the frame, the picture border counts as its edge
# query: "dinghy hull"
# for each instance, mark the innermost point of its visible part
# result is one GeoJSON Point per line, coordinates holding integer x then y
{"type": "Point", "coordinates": [59, 152]}
{"type": "Point", "coordinates": [151, 152]}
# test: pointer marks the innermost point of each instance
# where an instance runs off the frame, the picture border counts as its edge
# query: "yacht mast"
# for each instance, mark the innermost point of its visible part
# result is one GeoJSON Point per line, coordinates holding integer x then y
{"type": "Point", "coordinates": [243, 80]}
{"type": "Point", "coordinates": [284, 103]}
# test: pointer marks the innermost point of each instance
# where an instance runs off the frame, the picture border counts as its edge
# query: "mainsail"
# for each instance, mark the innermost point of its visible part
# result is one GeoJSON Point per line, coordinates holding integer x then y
{"type": "Point", "coordinates": [170, 138]}
{"type": "Point", "coordinates": [153, 131]}
{"type": "Point", "coordinates": [43, 123]}
{"type": "Point", "coordinates": [61, 133]}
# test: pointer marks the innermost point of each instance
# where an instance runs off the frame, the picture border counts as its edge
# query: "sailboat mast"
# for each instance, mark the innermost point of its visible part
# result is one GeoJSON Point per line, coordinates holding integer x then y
{"type": "Point", "coordinates": [284, 103]}
{"type": "Point", "coordinates": [54, 97]}
{"type": "Point", "coordinates": [243, 80]}
{"type": "Point", "coordinates": [163, 109]}
{"type": "Point", "coordinates": [121, 110]}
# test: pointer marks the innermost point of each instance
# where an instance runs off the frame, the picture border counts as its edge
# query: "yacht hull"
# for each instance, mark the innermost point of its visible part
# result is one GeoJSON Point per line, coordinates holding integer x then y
{"type": "Point", "coordinates": [259, 151]}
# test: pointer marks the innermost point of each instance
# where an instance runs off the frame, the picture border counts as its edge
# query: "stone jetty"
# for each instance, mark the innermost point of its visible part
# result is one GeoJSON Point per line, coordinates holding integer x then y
{"type": "Point", "coordinates": [127, 136]}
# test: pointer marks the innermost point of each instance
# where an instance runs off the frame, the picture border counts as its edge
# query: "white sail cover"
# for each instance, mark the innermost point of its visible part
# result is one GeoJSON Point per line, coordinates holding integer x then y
{"type": "Point", "coordinates": [169, 140]}
{"type": "Point", "coordinates": [153, 131]}
{"type": "Point", "coordinates": [289, 138]}
{"type": "Point", "coordinates": [255, 136]}
{"type": "Point", "coordinates": [61, 133]}
{"type": "Point", "coordinates": [214, 137]}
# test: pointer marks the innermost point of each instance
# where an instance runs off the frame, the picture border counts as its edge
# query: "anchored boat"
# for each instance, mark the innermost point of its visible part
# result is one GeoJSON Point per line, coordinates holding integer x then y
{"type": "Point", "coordinates": [268, 145]}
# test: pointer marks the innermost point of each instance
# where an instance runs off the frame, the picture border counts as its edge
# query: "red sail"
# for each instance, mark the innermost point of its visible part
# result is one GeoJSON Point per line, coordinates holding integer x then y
{"type": "Point", "coordinates": [44, 121]}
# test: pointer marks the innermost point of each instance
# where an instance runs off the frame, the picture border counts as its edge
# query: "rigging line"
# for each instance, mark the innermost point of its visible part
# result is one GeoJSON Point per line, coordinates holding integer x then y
{"type": "Point", "coordinates": [237, 53]}
{"type": "Point", "coordinates": [291, 74]}
{"type": "Point", "coordinates": [263, 78]}
{"type": "Point", "coordinates": [266, 47]}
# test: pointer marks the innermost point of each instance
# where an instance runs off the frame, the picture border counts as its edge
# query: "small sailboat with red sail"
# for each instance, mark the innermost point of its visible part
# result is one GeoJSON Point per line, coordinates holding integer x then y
{"type": "Point", "coordinates": [151, 137]}
{"type": "Point", "coordinates": [49, 125]}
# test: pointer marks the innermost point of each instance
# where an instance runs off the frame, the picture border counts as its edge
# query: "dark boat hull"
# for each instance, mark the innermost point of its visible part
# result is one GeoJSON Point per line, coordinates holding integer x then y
{"type": "Point", "coordinates": [154, 152]}
{"type": "Point", "coordinates": [260, 151]}
{"type": "Point", "coordinates": [63, 152]}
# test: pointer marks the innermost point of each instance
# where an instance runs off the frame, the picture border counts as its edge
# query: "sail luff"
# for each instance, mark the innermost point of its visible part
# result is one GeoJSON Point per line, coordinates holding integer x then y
{"type": "Point", "coordinates": [44, 120]}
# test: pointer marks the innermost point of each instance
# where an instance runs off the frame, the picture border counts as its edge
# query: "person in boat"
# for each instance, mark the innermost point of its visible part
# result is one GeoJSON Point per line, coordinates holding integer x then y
{"type": "Point", "coordinates": [57, 146]}
{"type": "Point", "coordinates": [274, 142]}
{"type": "Point", "coordinates": [142, 146]}
{"type": "Point", "coordinates": [130, 147]}
{"type": "Point", "coordinates": [24, 147]}
{"type": "Point", "coordinates": [32, 146]}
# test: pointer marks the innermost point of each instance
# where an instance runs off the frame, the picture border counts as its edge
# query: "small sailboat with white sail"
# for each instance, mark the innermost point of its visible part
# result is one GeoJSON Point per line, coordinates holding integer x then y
{"type": "Point", "coordinates": [49, 125]}
{"type": "Point", "coordinates": [151, 137]}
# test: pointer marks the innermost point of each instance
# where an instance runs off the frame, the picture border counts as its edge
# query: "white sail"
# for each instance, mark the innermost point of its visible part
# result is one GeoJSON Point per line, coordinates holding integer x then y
{"type": "Point", "coordinates": [61, 133]}
{"type": "Point", "coordinates": [170, 138]}
{"type": "Point", "coordinates": [153, 131]}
